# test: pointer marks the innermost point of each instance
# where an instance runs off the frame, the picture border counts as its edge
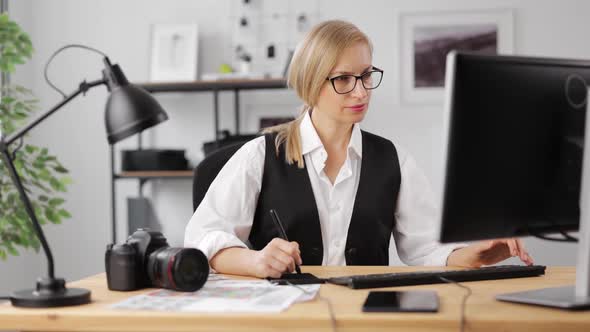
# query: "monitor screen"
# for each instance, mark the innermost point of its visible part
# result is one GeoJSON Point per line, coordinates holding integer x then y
{"type": "Point", "coordinates": [514, 129]}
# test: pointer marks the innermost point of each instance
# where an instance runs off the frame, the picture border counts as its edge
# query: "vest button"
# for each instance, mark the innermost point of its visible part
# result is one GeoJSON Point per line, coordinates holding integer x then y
{"type": "Point", "coordinates": [351, 251]}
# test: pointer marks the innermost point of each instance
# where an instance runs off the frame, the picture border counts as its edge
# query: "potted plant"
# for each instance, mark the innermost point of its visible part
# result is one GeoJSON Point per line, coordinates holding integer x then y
{"type": "Point", "coordinates": [44, 177]}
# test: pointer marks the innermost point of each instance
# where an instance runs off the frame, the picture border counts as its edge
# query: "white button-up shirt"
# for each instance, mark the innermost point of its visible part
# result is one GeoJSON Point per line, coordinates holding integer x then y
{"type": "Point", "coordinates": [225, 216]}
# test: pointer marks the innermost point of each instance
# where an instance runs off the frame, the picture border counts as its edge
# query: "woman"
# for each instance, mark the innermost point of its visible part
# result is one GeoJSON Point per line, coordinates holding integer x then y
{"type": "Point", "coordinates": [340, 192]}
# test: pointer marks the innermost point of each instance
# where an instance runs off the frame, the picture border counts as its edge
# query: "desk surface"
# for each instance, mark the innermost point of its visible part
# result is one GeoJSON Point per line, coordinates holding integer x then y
{"type": "Point", "coordinates": [483, 313]}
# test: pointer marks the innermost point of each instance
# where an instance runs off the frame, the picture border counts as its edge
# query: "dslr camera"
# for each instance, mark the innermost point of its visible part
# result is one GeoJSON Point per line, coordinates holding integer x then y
{"type": "Point", "coordinates": [146, 260]}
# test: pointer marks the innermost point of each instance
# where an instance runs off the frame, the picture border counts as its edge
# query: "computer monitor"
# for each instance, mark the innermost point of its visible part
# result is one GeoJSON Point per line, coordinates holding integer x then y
{"type": "Point", "coordinates": [514, 159]}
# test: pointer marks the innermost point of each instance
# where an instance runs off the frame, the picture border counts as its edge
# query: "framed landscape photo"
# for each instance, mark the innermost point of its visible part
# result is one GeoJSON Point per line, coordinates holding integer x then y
{"type": "Point", "coordinates": [174, 52]}
{"type": "Point", "coordinates": [426, 39]}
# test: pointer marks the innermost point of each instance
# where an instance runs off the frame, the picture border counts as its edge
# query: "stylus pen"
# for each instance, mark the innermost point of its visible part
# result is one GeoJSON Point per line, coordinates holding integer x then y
{"type": "Point", "coordinates": [283, 235]}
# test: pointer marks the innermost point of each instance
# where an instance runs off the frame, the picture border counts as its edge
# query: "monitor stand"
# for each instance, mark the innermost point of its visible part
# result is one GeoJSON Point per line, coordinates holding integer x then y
{"type": "Point", "coordinates": [569, 297]}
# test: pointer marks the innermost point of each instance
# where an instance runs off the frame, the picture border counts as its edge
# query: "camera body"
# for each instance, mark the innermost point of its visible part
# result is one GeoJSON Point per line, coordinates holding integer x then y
{"type": "Point", "coordinates": [146, 260]}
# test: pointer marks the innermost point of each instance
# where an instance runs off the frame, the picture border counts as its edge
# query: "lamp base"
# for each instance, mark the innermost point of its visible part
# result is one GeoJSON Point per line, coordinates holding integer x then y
{"type": "Point", "coordinates": [50, 293]}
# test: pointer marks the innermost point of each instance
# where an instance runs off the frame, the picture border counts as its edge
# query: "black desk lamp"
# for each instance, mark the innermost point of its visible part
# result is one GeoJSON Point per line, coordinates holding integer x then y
{"type": "Point", "coordinates": [129, 110]}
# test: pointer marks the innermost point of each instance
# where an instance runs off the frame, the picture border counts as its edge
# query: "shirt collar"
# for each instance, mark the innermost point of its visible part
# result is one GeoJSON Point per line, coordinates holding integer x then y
{"type": "Point", "coordinates": [310, 140]}
{"type": "Point", "coordinates": [356, 141]}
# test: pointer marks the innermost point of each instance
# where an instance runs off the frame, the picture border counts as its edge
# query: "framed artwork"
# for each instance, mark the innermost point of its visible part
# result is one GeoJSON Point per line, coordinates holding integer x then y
{"type": "Point", "coordinates": [270, 121]}
{"type": "Point", "coordinates": [261, 115]}
{"type": "Point", "coordinates": [174, 52]}
{"type": "Point", "coordinates": [426, 39]}
{"type": "Point", "coordinates": [265, 32]}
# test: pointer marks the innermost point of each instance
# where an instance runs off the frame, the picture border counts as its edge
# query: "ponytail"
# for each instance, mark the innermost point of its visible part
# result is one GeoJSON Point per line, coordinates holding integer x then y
{"type": "Point", "coordinates": [288, 134]}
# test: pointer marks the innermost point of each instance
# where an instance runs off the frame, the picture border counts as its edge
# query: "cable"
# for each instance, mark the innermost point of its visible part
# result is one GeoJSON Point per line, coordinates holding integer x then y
{"type": "Point", "coordinates": [59, 51]}
{"type": "Point", "coordinates": [321, 298]}
{"type": "Point", "coordinates": [20, 145]}
{"type": "Point", "coordinates": [463, 302]}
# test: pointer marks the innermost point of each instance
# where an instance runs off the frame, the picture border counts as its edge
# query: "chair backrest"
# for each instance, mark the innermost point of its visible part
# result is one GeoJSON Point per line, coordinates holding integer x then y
{"type": "Point", "coordinates": [207, 170]}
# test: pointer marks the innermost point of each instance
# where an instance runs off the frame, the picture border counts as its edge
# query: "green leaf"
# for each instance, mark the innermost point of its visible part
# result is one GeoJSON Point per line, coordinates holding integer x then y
{"type": "Point", "coordinates": [60, 169]}
{"type": "Point", "coordinates": [32, 173]}
{"type": "Point", "coordinates": [64, 213]}
{"type": "Point", "coordinates": [55, 184]}
{"type": "Point", "coordinates": [13, 221]}
{"type": "Point", "coordinates": [38, 210]}
{"type": "Point", "coordinates": [66, 180]}
{"type": "Point", "coordinates": [7, 100]}
{"type": "Point", "coordinates": [21, 89]}
{"type": "Point", "coordinates": [11, 249]}
{"type": "Point", "coordinates": [44, 175]}
{"type": "Point", "coordinates": [2, 254]}
{"type": "Point", "coordinates": [54, 202]}
{"type": "Point", "coordinates": [33, 240]}
{"type": "Point", "coordinates": [51, 216]}
{"type": "Point", "coordinates": [44, 198]}
{"type": "Point", "coordinates": [31, 148]}
{"type": "Point", "coordinates": [20, 115]}
{"type": "Point", "coordinates": [18, 163]}
{"type": "Point", "coordinates": [11, 198]}
{"type": "Point", "coordinates": [41, 186]}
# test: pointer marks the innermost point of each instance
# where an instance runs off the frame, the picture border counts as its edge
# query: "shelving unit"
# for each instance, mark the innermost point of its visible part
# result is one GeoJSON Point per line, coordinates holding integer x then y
{"type": "Point", "coordinates": [235, 85]}
{"type": "Point", "coordinates": [216, 87]}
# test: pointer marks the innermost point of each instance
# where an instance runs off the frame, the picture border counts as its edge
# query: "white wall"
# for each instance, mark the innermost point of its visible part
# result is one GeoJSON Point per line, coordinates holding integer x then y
{"type": "Point", "coordinates": [122, 30]}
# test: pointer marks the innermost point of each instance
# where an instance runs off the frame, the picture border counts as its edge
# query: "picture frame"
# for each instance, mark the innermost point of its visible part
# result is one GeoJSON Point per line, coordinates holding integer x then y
{"type": "Point", "coordinates": [268, 31]}
{"type": "Point", "coordinates": [261, 115]}
{"type": "Point", "coordinates": [426, 38]}
{"type": "Point", "coordinates": [271, 121]}
{"type": "Point", "coordinates": [174, 52]}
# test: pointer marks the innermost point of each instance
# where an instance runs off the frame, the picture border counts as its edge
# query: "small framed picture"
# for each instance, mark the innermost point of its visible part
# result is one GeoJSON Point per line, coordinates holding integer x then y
{"type": "Point", "coordinates": [427, 38]}
{"type": "Point", "coordinates": [174, 52]}
{"type": "Point", "coordinates": [266, 122]}
{"type": "Point", "coordinates": [263, 115]}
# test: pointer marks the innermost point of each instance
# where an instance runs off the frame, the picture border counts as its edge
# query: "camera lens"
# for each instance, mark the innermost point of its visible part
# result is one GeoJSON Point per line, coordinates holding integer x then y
{"type": "Point", "coordinates": [183, 269]}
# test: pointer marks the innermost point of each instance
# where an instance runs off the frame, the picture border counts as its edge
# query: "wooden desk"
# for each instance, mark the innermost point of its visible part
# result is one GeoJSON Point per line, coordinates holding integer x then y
{"type": "Point", "coordinates": [483, 312]}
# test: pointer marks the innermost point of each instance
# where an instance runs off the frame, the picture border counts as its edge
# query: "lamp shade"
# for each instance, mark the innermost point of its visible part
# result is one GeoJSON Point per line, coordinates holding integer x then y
{"type": "Point", "coordinates": [129, 108]}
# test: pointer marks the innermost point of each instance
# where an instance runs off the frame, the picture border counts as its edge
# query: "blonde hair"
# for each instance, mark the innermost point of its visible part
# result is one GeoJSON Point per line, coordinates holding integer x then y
{"type": "Point", "coordinates": [312, 62]}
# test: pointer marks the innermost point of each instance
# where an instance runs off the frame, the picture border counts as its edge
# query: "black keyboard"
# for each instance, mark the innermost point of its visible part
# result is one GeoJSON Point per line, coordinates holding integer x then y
{"type": "Point", "coordinates": [433, 277]}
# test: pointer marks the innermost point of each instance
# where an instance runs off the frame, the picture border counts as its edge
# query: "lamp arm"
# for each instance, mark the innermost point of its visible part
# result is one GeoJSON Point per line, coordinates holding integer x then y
{"type": "Point", "coordinates": [5, 143]}
{"type": "Point", "coordinates": [84, 86]}
{"type": "Point", "coordinates": [28, 207]}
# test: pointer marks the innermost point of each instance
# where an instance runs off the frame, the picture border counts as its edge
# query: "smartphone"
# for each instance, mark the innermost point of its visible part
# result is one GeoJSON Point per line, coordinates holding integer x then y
{"type": "Point", "coordinates": [401, 301]}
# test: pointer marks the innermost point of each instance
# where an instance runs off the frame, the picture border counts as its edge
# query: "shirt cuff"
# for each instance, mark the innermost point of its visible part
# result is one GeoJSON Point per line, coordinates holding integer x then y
{"type": "Point", "coordinates": [440, 256]}
{"type": "Point", "coordinates": [214, 241]}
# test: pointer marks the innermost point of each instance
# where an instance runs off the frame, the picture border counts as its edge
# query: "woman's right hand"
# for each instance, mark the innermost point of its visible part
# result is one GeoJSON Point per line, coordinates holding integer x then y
{"type": "Point", "coordinates": [279, 256]}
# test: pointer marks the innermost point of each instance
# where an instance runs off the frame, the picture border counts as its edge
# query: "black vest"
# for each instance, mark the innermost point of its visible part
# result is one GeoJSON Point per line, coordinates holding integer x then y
{"type": "Point", "coordinates": [287, 189]}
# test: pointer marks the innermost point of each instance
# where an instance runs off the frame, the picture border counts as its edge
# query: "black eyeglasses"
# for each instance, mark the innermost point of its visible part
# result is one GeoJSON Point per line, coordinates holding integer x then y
{"type": "Point", "coordinates": [344, 84]}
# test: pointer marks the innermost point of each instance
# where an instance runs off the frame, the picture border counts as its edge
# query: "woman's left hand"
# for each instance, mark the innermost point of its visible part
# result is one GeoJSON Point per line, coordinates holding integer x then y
{"type": "Point", "coordinates": [489, 252]}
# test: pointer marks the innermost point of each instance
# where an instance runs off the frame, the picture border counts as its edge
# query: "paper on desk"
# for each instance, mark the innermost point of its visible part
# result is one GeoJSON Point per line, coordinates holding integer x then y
{"type": "Point", "coordinates": [221, 294]}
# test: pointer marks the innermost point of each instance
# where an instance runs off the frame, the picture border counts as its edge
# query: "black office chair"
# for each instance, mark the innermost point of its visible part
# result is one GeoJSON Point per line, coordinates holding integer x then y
{"type": "Point", "coordinates": [207, 170]}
